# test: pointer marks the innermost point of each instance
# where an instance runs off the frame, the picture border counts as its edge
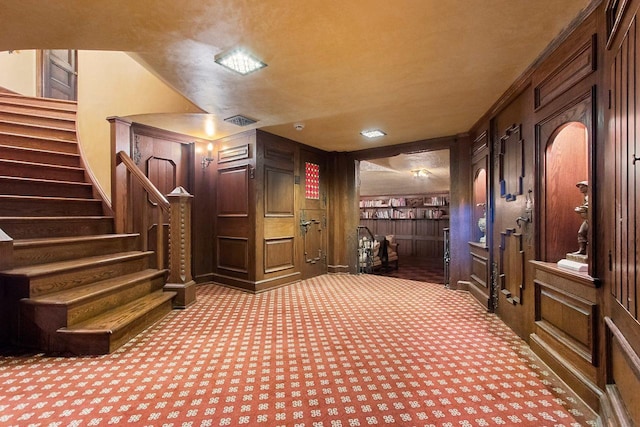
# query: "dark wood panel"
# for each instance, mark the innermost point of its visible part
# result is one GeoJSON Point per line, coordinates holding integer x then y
{"type": "Point", "coordinates": [278, 254]}
{"type": "Point", "coordinates": [233, 191]}
{"type": "Point", "coordinates": [567, 74]}
{"type": "Point", "coordinates": [479, 270]}
{"type": "Point", "coordinates": [233, 254]}
{"type": "Point", "coordinates": [568, 318]}
{"type": "Point", "coordinates": [623, 374]}
{"type": "Point", "coordinates": [278, 192]}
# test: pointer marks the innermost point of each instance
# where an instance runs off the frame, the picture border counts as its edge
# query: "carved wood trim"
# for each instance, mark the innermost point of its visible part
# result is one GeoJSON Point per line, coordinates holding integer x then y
{"type": "Point", "coordinates": [511, 266]}
{"type": "Point", "coordinates": [511, 163]}
{"type": "Point", "coordinates": [233, 153]}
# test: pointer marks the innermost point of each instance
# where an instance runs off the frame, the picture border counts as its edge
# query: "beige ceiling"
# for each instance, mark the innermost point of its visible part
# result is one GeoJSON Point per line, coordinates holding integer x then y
{"type": "Point", "coordinates": [416, 69]}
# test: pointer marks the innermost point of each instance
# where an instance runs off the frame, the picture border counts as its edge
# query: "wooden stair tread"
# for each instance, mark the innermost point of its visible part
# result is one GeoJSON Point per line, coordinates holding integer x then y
{"type": "Point", "coordinates": [94, 290]}
{"type": "Point", "coordinates": [43, 180]}
{"type": "Point", "coordinates": [45, 198]}
{"type": "Point", "coordinates": [44, 138]}
{"type": "Point", "coordinates": [38, 126]}
{"type": "Point", "coordinates": [53, 218]}
{"type": "Point", "coordinates": [49, 241]}
{"type": "Point", "coordinates": [39, 150]}
{"type": "Point", "coordinates": [43, 165]}
{"type": "Point", "coordinates": [44, 103]}
{"type": "Point", "coordinates": [116, 319]}
{"type": "Point", "coordinates": [53, 268]}
{"type": "Point", "coordinates": [35, 114]}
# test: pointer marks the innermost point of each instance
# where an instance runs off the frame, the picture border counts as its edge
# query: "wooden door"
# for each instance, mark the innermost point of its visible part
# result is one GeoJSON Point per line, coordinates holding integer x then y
{"type": "Point", "coordinates": [166, 163]}
{"type": "Point", "coordinates": [313, 215]}
{"type": "Point", "coordinates": [59, 74]}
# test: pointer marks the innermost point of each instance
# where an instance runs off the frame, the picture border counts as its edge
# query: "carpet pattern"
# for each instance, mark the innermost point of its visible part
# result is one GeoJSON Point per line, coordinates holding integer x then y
{"type": "Point", "coordinates": [334, 351]}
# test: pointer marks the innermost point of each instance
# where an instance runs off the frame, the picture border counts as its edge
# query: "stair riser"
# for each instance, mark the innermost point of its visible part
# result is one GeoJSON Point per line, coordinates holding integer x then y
{"type": "Point", "coordinates": [38, 143]}
{"type": "Point", "coordinates": [107, 302]}
{"type": "Point", "coordinates": [42, 103]}
{"type": "Point", "coordinates": [72, 250]}
{"type": "Point", "coordinates": [61, 281]}
{"type": "Point", "coordinates": [35, 131]}
{"type": "Point", "coordinates": [18, 115]}
{"type": "Point", "coordinates": [43, 207]}
{"type": "Point", "coordinates": [45, 189]}
{"type": "Point", "coordinates": [35, 156]}
{"type": "Point", "coordinates": [29, 170]}
{"type": "Point", "coordinates": [32, 228]}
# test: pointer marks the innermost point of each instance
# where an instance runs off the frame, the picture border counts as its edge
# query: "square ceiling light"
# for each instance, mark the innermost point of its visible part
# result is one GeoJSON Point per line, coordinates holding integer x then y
{"type": "Point", "coordinates": [372, 133]}
{"type": "Point", "coordinates": [240, 61]}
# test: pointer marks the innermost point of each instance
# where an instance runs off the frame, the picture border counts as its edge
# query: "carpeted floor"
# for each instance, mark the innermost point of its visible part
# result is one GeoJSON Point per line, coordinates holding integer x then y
{"type": "Point", "coordinates": [334, 351]}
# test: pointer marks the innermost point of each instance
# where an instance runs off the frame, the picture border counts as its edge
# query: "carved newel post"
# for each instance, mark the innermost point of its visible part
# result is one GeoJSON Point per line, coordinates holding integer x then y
{"type": "Point", "coordinates": [180, 279]}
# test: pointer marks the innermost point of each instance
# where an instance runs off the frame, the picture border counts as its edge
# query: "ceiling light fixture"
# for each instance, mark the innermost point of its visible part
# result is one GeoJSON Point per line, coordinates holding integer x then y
{"type": "Point", "coordinates": [420, 173]}
{"type": "Point", "coordinates": [372, 133]}
{"type": "Point", "coordinates": [240, 61]}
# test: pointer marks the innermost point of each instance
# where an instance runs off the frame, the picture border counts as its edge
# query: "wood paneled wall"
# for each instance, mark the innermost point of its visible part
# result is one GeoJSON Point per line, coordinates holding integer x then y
{"type": "Point", "coordinates": [584, 325]}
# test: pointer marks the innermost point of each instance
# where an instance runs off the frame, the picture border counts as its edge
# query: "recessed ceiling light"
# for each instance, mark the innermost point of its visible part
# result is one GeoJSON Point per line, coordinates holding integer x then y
{"type": "Point", "coordinates": [240, 61]}
{"type": "Point", "coordinates": [373, 133]}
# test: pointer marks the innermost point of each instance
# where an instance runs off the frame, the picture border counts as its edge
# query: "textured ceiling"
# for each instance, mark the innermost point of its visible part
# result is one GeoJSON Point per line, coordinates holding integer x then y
{"type": "Point", "coordinates": [417, 69]}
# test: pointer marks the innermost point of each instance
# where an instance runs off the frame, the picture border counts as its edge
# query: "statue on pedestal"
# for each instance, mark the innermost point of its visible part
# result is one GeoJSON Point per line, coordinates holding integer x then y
{"type": "Point", "coordinates": [578, 261]}
{"type": "Point", "coordinates": [583, 211]}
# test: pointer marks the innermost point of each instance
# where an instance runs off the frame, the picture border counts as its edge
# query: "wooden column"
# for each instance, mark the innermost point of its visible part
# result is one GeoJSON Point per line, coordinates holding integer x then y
{"type": "Point", "coordinates": [180, 279]}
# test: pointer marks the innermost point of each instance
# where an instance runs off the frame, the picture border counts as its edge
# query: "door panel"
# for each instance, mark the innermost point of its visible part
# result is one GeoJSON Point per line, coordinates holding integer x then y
{"type": "Point", "coordinates": [313, 215]}
{"type": "Point", "coordinates": [59, 74]}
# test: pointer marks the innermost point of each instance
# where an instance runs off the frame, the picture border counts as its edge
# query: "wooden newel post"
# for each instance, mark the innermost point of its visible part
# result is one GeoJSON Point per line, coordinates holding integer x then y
{"type": "Point", "coordinates": [180, 279]}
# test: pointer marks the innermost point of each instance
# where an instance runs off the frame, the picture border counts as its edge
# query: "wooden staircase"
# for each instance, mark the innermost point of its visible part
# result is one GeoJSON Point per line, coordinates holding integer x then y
{"type": "Point", "coordinates": [68, 283]}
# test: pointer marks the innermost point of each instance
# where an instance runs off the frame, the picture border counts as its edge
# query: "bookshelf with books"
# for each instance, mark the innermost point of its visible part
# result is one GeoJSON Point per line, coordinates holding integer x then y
{"type": "Point", "coordinates": [416, 221]}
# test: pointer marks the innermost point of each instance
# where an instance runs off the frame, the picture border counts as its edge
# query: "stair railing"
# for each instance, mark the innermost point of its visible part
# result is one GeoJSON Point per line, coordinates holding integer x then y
{"type": "Point", "coordinates": [132, 215]}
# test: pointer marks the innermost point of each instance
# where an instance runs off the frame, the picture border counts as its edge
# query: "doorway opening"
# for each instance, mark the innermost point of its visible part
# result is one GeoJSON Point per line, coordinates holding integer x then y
{"type": "Point", "coordinates": [404, 204]}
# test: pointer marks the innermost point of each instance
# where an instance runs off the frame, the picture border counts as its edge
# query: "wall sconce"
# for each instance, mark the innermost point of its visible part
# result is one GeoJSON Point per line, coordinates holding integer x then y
{"type": "Point", "coordinates": [206, 161]}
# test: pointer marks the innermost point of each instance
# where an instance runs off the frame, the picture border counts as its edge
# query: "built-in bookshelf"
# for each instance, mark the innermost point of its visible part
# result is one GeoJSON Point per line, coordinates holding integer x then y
{"type": "Point", "coordinates": [416, 221]}
{"type": "Point", "coordinates": [427, 206]}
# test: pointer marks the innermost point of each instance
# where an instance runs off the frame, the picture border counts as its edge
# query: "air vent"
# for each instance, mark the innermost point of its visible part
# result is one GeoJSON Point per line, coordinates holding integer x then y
{"type": "Point", "coordinates": [240, 120]}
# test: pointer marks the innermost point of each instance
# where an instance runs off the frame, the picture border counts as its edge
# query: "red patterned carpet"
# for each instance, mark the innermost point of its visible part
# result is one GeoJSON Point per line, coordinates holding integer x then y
{"type": "Point", "coordinates": [334, 351]}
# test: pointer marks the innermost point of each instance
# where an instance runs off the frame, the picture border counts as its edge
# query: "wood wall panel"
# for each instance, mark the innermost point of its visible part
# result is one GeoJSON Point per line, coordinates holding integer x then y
{"type": "Point", "coordinates": [568, 318]}
{"type": "Point", "coordinates": [567, 74]}
{"type": "Point", "coordinates": [233, 254]}
{"type": "Point", "coordinates": [479, 270]}
{"type": "Point", "coordinates": [278, 192]}
{"type": "Point", "coordinates": [623, 375]}
{"type": "Point", "coordinates": [278, 254]}
{"type": "Point", "coordinates": [233, 191]}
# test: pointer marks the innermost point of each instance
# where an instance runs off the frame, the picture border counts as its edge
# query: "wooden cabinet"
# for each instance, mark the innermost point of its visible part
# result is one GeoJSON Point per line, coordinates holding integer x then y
{"type": "Point", "coordinates": [417, 222]}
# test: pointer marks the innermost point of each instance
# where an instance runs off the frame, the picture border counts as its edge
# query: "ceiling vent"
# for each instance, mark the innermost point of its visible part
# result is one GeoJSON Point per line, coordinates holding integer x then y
{"type": "Point", "coordinates": [239, 120]}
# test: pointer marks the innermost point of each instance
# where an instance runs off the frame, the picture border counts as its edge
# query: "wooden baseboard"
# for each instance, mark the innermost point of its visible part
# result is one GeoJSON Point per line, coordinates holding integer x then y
{"type": "Point", "coordinates": [583, 386]}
